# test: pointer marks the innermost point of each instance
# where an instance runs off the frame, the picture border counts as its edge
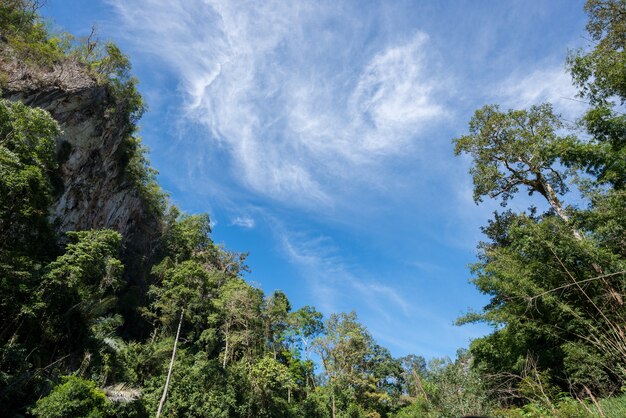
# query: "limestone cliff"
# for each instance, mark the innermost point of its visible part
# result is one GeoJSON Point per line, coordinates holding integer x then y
{"type": "Point", "coordinates": [94, 190]}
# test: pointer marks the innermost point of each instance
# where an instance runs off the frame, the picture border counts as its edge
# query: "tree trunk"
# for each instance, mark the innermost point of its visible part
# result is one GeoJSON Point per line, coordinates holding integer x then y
{"type": "Point", "coordinates": [548, 192]}
{"type": "Point", "coordinates": [169, 372]}
{"type": "Point", "coordinates": [226, 344]}
{"type": "Point", "coordinates": [419, 386]}
{"type": "Point", "coordinates": [225, 353]}
{"type": "Point", "coordinates": [554, 202]}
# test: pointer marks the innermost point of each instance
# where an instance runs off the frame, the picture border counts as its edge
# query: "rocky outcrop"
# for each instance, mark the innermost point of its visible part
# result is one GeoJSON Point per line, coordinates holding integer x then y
{"type": "Point", "coordinates": [94, 191]}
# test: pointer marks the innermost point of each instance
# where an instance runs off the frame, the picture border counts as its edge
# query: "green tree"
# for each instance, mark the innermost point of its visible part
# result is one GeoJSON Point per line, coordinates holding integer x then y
{"type": "Point", "coordinates": [455, 388]}
{"type": "Point", "coordinates": [544, 294]}
{"type": "Point", "coordinates": [600, 75]}
{"type": "Point", "coordinates": [239, 306]}
{"type": "Point", "coordinates": [59, 325]}
{"type": "Point", "coordinates": [304, 325]}
{"type": "Point", "coordinates": [27, 160]}
{"type": "Point", "coordinates": [78, 288]}
{"type": "Point", "coordinates": [556, 284]}
{"type": "Point", "coordinates": [275, 315]}
{"type": "Point", "coordinates": [359, 372]}
{"type": "Point", "coordinates": [26, 164]}
{"type": "Point", "coordinates": [184, 285]}
{"type": "Point", "coordinates": [272, 384]}
{"type": "Point", "coordinates": [518, 148]}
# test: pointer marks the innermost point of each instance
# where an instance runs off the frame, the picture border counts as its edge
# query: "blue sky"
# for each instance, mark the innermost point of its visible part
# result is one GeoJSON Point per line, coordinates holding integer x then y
{"type": "Point", "coordinates": [317, 135]}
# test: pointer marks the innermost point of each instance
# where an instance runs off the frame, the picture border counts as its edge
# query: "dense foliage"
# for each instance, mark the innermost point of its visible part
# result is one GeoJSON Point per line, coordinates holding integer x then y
{"type": "Point", "coordinates": [556, 279]}
{"type": "Point", "coordinates": [201, 341]}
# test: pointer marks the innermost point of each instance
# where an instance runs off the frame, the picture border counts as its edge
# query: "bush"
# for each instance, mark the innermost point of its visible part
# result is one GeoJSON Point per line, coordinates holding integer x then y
{"type": "Point", "coordinates": [74, 397]}
{"type": "Point", "coordinates": [22, 28]}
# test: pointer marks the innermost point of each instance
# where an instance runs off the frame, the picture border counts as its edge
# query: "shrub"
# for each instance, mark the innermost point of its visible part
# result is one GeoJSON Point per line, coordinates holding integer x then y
{"type": "Point", "coordinates": [74, 397]}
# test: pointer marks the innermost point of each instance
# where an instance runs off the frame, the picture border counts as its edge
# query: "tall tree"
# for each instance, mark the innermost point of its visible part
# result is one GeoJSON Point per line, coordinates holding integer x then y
{"type": "Point", "coordinates": [239, 306]}
{"type": "Point", "coordinates": [304, 325]}
{"type": "Point", "coordinates": [350, 358]}
{"type": "Point", "coordinates": [275, 316]}
{"type": "Point", "coordinates": [513, 149]}
{"type": "Point", "coordinates": [551, 295]}
{"type": "Point", "coordinates": [600, 75]}
{"type": "Point", "coordinates": [27, 162]}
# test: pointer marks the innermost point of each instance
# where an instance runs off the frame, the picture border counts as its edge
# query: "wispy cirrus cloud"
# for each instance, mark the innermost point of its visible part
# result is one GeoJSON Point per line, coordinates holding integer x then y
{"type": "Point", "coordinates": [334, 284]}
{"type": "Point", "coordinates": [243, 222]}
{"type": "Point", "coordinates": [336, 117]}
{"type": "Point", "coordinates": [299, 106]}
{"type": "Point", "coordinates": [396, 315]}
{"type": "Point", "coordinates": [551, 84]}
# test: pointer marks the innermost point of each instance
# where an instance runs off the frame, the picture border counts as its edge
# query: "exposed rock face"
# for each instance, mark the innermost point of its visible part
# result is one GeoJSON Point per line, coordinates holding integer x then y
{"type": "Point", "coordinates": [94, 192]}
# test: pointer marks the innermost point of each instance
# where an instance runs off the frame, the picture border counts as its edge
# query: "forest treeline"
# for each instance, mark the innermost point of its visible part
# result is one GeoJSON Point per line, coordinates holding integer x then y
{"type": "Point", "coordinates": [197, 340]}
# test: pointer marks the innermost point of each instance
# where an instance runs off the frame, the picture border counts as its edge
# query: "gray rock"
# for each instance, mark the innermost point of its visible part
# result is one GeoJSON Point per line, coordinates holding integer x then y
{"type": "Point", "coordinates": [95, 193]}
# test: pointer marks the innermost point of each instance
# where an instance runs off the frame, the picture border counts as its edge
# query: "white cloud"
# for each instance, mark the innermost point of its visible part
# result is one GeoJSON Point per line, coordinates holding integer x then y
{"type": "Point", "coordinates": [397, 316]}
{"type": "Point", "coordinates": [333, 283]}
{"type": "Point", "coordinates": [299, 111]}
{"type": "Point", "coordinates": [244, 222]}
{"type": "Point", "coordinates": [393, 96]}
{"type": "Point", "coordinates": [550, 84]}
